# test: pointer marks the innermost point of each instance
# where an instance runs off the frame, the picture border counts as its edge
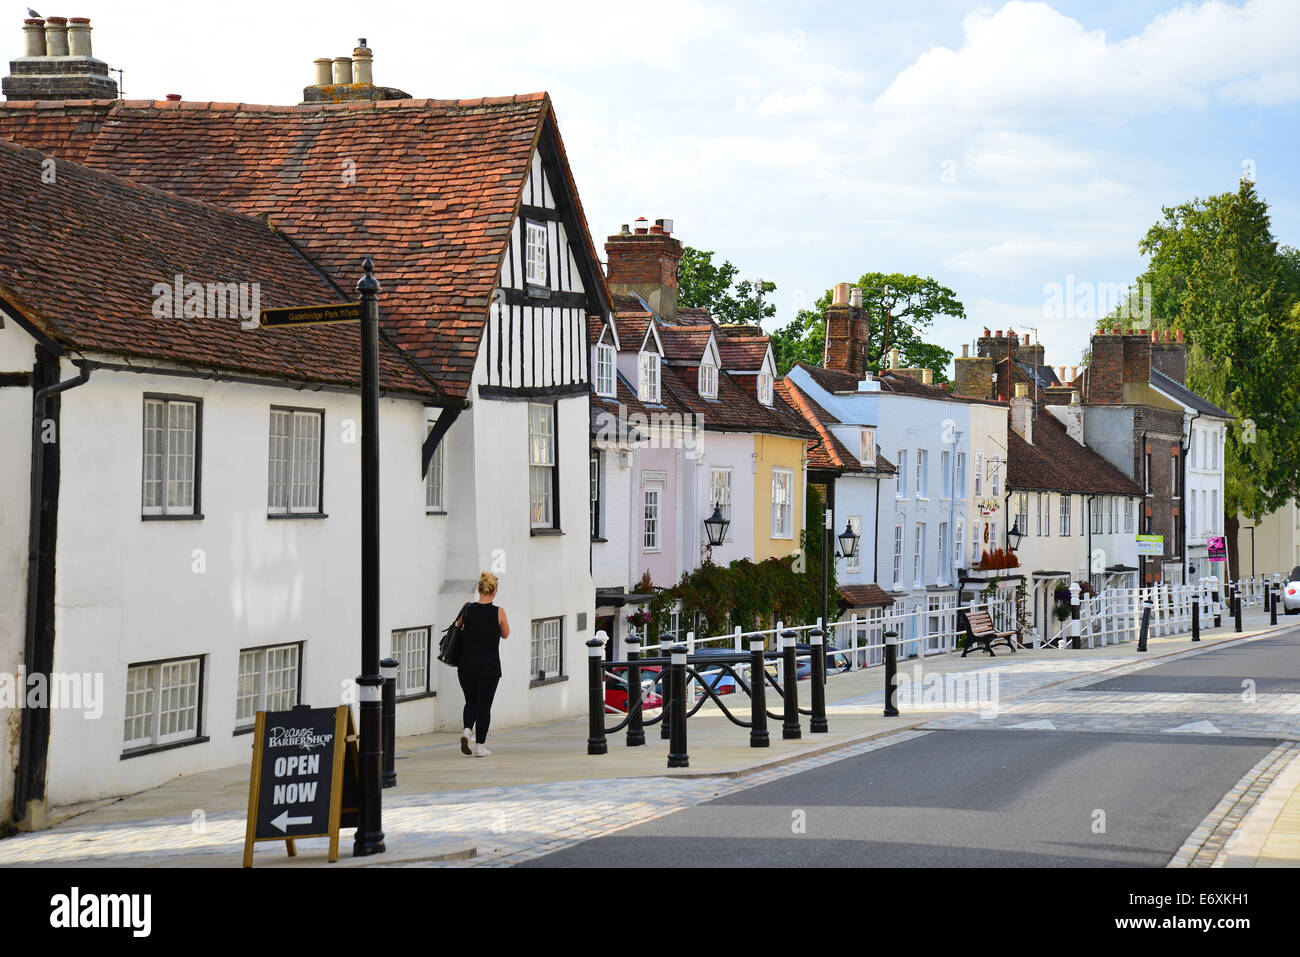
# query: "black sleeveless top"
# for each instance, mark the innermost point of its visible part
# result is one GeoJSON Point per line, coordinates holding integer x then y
{"type": "Point", "coordinates": [482, 638]}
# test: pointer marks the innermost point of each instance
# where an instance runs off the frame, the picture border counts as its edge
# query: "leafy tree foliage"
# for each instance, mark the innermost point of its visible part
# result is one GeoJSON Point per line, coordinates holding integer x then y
{"type": "Point", "coordinates": [700, 283]}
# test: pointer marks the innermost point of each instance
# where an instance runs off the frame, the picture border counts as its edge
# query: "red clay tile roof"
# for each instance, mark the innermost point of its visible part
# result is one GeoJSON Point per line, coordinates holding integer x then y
{"type": "Point", "coordinates": [1057, 463]}
{"type": "Point", "coordinates": [437, 186]}
{"type": "Point", "coordinates": [685, 343]}
{"type": "Point", "coordinates": [864, 596]}
{"type": "Point", "coordinates": [742, 353]}
{"type": "Point", "coordinates": [80, 259]}
{"type": "Point", "coordinates": [734, 410]}
{"type": "Point", "coordinates": [632, 330]}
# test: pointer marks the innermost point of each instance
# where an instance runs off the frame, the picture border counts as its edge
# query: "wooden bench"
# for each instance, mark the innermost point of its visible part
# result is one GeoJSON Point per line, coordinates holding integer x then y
{"type": "Point", "coordinates": [980, 631]}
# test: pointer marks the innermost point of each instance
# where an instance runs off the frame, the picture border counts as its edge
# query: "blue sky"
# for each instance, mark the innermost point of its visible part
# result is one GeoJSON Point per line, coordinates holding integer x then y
{"type": "Point", "coordinates": [998, 148]}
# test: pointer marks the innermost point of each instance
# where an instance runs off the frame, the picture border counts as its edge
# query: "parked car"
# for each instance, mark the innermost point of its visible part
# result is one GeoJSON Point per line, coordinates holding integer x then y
{"type": "Point", "coordinates": [1291, 592]}
{"type": "Point", "coordinates": [836, 661]}
{"type": "Point", "coordinates": [716, 678]}
{"type": "Point", "coordinates": [616, 688]}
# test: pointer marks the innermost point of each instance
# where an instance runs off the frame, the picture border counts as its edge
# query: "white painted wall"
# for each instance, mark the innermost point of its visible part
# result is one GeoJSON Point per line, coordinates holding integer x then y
{"type": "Point", "coordinates": [129, 590]}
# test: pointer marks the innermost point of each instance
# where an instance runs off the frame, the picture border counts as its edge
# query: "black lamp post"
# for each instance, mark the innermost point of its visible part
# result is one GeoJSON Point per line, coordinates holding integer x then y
{"type": "Point", "coordinates": [715, 527]}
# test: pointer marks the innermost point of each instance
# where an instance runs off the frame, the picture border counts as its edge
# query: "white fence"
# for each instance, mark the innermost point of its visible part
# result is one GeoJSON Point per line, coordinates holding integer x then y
{"type": "Point", "coordinates": [1112, 616]}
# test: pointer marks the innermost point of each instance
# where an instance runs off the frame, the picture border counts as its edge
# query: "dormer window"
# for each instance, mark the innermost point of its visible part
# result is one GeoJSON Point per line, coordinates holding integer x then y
{"type": "Point", "coordinates": [648, 382]}
{"type": "Point", "coordinates": [868, 450]}
{"type": "Point", "coordinates": [708, 381]}
{"type": "Point", "coordinates": [535, 255]}
{"type": "Point", "coordinates": [765, 388]}
{"type": "Point", "coordinates": [605, 370]}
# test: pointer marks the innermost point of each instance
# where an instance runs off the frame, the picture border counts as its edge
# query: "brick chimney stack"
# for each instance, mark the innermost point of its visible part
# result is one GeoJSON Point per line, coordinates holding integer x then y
{"type": "Point", "coordinates": [1118, 359]}
{"type": "Point", "coordinates": [847, 332]}
{"type": "Point", "coordinates": [645, 262]}
{"type": "Point", "coordinates": [58, 63]}
{"type": "Point", "coordinates": [1169, 354]}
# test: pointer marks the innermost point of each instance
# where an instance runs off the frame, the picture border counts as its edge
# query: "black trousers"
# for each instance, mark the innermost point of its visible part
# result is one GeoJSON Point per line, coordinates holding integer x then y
{"type": "Point", "coordinates": [479, 683]}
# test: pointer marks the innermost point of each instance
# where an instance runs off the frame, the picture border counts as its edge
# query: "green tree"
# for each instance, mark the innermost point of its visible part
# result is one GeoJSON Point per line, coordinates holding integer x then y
{"type": "Point", "coordinates": [702, 284]}
{"type": "Point", "coordinates": [1217, 273]}
{"type": "Point", "coordinates": [900, 310]}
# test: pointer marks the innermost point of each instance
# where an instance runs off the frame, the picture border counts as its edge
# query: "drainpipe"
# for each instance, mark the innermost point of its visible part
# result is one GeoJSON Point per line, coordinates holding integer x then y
{"type": "Point", "coordinates": [875, 558]}
{"type": "Point", "coordinates": [1182, 506]}
{"type": "Point", "coordinates": [34, 735]}
{"type": "Point", "coordinates": [1087, 523]}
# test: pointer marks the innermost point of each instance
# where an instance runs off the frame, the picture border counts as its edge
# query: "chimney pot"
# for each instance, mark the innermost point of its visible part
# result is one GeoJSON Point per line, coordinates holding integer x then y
{"type": "Point", "coordinates": [986, 332]}
{"type": "Point", "coordinates": [1074, 373]}
{"type": "Point", "coordinates": [840, 297]}
{"type": "Point", "coordinates": [1026, 338]}
{"type": "Point", "coordinates": [56, 36]}
{"type": "Point", "coordinates": [324, 71]}
{"type": "Point", "coordinates": [642, 226]}
{"type": "Point", "coordinates": [342, 71]}
{"type": "Point", "coordinates": [999, 333]}
{"type": "Point", "coordinates": [893, 358]}
{"type": "Point", "coordinates": [79, 36]}
{"type": "Point", "coordinates": [965, 351]}
{"type": "Point", "coordinates": [1178, 334]}
{"type": "Point", "coordinates": [1115, 330]}
{"type": "Point", "coordinates": [855, 297]}
{"type": "Point", "coordinates": [1022, 389]}
{"type": "Point", "coordinates": [34, 37]}
{"type": "Point", "coordinates": [665, 225]}
{"type": "Point", "coordinates": [173, 97]}
{"type": "Point", "coordinates": [1074, 397]}
{"type": "Point", "coordinates": [927, 377]}
{"type": "Point", "coordinates": [362, 61]}
{"type": "Point", "coordinates": [625, 231]}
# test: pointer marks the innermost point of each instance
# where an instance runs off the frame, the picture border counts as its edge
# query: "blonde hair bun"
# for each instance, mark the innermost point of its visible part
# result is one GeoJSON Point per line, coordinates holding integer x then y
{"type": "Point", "coordinates": [487, 584]}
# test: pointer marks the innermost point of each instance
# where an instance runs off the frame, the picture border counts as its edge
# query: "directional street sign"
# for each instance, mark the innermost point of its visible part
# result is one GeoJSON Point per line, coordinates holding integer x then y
{"type": "Point", "coordinates": [311, 315]}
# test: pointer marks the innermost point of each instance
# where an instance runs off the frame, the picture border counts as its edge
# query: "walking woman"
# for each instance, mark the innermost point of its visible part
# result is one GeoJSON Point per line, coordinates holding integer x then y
{"type": "Point", "coordinates": [480, 663]}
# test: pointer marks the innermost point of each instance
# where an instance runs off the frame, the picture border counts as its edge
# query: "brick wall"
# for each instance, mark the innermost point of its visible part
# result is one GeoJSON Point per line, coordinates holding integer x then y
{"type": "Point", "coordinates": [1163, 430]}
{"type": "Point", "coordinates": [847, 338]}
{"type": "Point", "coordinates": [973, 377]}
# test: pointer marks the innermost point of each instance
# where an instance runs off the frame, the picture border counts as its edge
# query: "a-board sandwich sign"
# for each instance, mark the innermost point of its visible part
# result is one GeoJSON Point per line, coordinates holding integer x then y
{"type": "Point", "coordinates": [303, 781]}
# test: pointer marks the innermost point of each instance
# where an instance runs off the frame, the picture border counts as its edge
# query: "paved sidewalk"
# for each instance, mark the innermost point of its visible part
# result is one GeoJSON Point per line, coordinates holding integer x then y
{"type": "Point", "coordinates": [541, 790]}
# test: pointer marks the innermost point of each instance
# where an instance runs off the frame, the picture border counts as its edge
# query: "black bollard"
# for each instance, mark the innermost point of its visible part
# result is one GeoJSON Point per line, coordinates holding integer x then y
{"type": "Point", "coordinates": [1196, 619]}
{"type": "Point", "coordinates": [596, 697]}
{"type": "Point", "coordinates": [1146, 624]}
{"type": "Point", "coordinates": [677, 757]}
{"type": "Point", "coordinates": [818, 725]}
{"type": "Point", "coordinates": [891, 674]}
{"type": "Point", "coordinates": [1074, 615]}
{"type": "Point", "coordinates": [388, 671]}
{"type": "Point", "coordinates": [635, 727]}
{"type": "Point", "coordinates": [1236, 613]}
{"type": "Point", "coordinates": [758, 737]}
{"type": "Point", "coordinates": [1218, 618]}
{"type": "Point", "coordinates": [790, 687]}
{"type": "Point", "coordinates": [1272, 605]}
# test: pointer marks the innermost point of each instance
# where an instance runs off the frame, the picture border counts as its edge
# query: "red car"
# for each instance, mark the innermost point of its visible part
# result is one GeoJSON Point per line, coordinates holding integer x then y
{"type": "Point", "coordinates": [616, 689]}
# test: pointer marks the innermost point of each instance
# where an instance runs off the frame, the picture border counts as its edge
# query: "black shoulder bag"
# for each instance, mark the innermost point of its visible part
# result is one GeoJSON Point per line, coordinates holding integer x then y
{"type": "Point", "coordinates": [449, 648]}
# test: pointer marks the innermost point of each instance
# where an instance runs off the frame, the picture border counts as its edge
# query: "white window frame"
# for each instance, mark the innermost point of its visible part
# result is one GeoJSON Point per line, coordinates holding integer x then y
{"type": "Point", "coordinates": [173, 486]}
{"type": "Point", "coordinates": [959, 483]}
{"type": "Point", "coordinates": [542, 465]}
{"type": "Point", "coordinates": [1065, 516]}
{"type": "Point", "coordinates": [594, 470]}
{"type": "Point", "coordinates": [979, 471]}
{"type": "Point", "coordinates": [410, 646]}
{"type": "Point", "coordinates": [1128, 516]}
{"type": "Point", "coordinates": [765, 382]}
{"type": "Point", "coordinates": [922, 474]}
{"type": "Point", "coordinates": [651, 518]}
{"type": "Point", "coordinates": [959, 544]}
{"type": "Point", "coordinates": [537, 239]}
{"type": "Point", "coordinates": [900, 476]}
{"type": "Point", "coordinates": [782, 502]}
{"type": "Point", "coordinates": [294, 480]}
{"type": "Point", "coordinates": [898, 552]}
{"type": "Point", "coordinates": [867, 446]}
{"type": "Point", "coordinates": [945, 563]}
{"type": "Point", "coordinates": [993, 476]}
{"type": "Point", "coordinates": [180, 680]}
{"type": "Point", "coordinates": [546, 646]}
{"type": "Point", "coordinates": [435, 497]}
{"type": "Point", "coordinates": [918, 559]}
{"type": "Point", "coordinates": [854, 563]}
{"type": "Point", "coordinates": [720, 493]}
{"type": "Point", "coordinates": [945, 477]}
{"type": "Point", "coordinates": [648, 384]}
{"type": "Point", "coordinates": [1022, 512]}
{"type": "Point", "coordinates": [606, 382]}
{"type": "Point", "coordinates": [268, 680]}
{"type": "Point", "coordinates": [708, 380]}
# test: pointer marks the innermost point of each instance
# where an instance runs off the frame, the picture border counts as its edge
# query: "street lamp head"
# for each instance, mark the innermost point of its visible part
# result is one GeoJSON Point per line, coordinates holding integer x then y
{"type": "Point", "coordinates": [1015, 535]}
{"type": "Point", "coordinates": [848, 541]}
{"type": "Point", "coordinates": [715, 527]}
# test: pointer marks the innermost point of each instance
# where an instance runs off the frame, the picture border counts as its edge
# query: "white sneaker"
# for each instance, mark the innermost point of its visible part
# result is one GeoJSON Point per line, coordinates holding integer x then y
{"type": "Point", "coordinates": [481, 752]}
{"type": "Point", "coordinates": [466, 737]}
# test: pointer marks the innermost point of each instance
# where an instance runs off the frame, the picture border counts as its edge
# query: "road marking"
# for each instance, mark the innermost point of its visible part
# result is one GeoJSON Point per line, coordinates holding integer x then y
{"type": "Point", "coordinates": [1194, 727]}
{"type": "Point", "coordinates": [1043, 725]}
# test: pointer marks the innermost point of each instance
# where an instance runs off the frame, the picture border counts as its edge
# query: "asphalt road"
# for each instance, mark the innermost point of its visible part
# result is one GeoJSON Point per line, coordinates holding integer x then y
{"type": "Point", "coordinates": [1272, 663]}
{"type": "Point", "coordinates": [953, 799]}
